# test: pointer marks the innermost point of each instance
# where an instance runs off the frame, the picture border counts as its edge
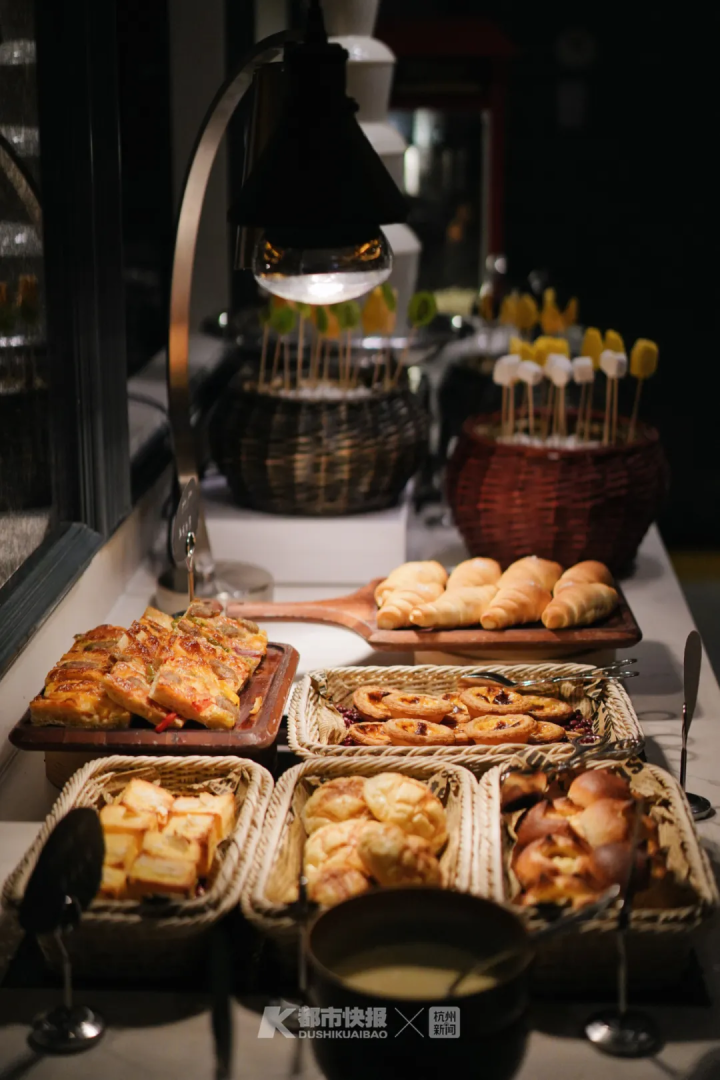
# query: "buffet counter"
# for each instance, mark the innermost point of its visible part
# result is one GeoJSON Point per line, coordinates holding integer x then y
{"type": "Point", "coordinates": [152, 1033]}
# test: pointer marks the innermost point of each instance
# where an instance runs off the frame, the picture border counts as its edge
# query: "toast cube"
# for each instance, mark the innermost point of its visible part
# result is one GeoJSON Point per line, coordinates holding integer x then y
{"type": "Point", "coordinates": [150, 875]}
{"type": "Point", "coordinates": [117, 818]}
{"type": "Point", "coordinates": [222, 806]}
{"type": "Point", "coordinates": [204, 829]}
{"type": "Point", "coordinates": [113, 885]}
{"type": "Point", "coordinates": [166, 845]}
{"type": "Point", "coordinates": [121, 849]}
{"type": "Point", "coordinates": [143, 797]}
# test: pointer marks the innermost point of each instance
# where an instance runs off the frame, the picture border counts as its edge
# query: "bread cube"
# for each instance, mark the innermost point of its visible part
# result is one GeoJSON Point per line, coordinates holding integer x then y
{"type": "Point", "coordinates": [114, 883]}
{"type": "Point", "coordinates": [121, 849]}
{"type": "Point", "coordinates": [222, 806]}
{"type": "Point", "coordinates": [165, 845]}
{"type": "Point", "coordinates": [150, 875]}
{"type": "Point", "coordinates": [203, 828]}
{"type": "Point", "coordinates": [117, 818]}
{"type": "Point", "coordinates": [143, 797]}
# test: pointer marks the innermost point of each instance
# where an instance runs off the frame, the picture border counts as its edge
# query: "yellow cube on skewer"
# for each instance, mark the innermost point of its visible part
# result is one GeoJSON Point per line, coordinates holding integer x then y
{"type": "Point", "coordinates": [614, 341]}
{"type": "Point", "coordinates": [508, 310]}
{"type": "Point", "coordinates": [526, 314]}
{"type": "Point", "coordinates": [521, 348]}
{"type": "Point", "coordinates": [592, 345]}
{"type": "Point", "coordinates": [643, 358]}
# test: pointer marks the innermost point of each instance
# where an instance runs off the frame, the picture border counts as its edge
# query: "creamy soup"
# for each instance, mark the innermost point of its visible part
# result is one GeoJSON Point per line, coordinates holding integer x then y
{"type": "Point", "coordinates": [411, 971]}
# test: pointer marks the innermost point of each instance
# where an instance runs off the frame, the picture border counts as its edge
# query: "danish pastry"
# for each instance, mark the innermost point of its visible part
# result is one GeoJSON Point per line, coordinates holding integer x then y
{"type": "Point", "coordinates": [412, 732]}
{"type": "Point", "coordinates": [409, 804]}
{"type": "Point", "coordinates": [337, 800]}
{"type": "Point", "coordinates": [392, 857]}
{"type": "Point", "coordinates": [496, 730]}
{"type": "Point", "coordinates": [370, 702]}
{"type": "Point", "coordinates": [335, 884]}
{"type": "Point", "coordinates": [334, 847]}
{"type": "Point", "coordinates": [547, 733]}
{"type": "Point", "coordinates": [420, 706]}
{"type": "Point", "coordinates": [369, 734]}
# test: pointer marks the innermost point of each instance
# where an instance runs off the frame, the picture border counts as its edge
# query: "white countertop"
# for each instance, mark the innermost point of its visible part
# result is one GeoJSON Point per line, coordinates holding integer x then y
{"type": "Point", "coordinates": [692, 1051]}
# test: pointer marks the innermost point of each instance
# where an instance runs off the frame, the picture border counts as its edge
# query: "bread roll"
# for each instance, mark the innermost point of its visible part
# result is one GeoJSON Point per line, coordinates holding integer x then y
{"type": "Point", "coordinates": [392, 857]}
{"type": "Point", "coordinates": [580, 605]}
{"type": "Point", "coordinates": [543, 572]}
{"type": "Point", "coordinates": [474, 572]}
{"type": "Point", "coordinates": [588, 572]}
{"type": "Point", "coordinates": [403, 801]}
{"type": "Point", "coordinates": [337, 800]}
{"type": "Point", "coordinates": [596, 784]}
{"type": "Point", "coordinates": [461, 606]}
{"type": "Point", "coordinates": [397, 605]}
{"type": "Point", "coordinates": [515, 604]}
{"type": "Point", "coordinates": [408, 575]}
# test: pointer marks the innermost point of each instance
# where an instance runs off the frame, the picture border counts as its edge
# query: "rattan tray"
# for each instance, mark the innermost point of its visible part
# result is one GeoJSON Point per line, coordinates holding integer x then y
{"type": "Point", "coordinates": [117, 939]}
{"type": "Point", "coordinates": [315, 730]}
{"type": "Point", "coordinates": [273, 882]}
{"type": "Point", "coordinates": [660, 940]}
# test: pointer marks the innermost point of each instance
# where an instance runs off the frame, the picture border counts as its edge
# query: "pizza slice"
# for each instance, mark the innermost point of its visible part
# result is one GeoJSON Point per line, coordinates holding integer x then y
{"type": "Point", "coordinates": [191, 689]}
{"type": "Point", "coordinates": [140, 653]}
{"type": "Point", "coordinates": [78, 704]}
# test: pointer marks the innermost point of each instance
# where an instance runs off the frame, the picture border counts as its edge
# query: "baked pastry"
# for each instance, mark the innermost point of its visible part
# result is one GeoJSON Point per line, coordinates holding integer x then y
{"type": "Point", "coordinates": [596, 784]}
{"type": "Point", "coordinates": [544, 819]}
{"type": "Point", "coordinates": [611, 865]}
{"type": "Point", "coordinates": [496, 730]}
{"type": "Point", "coordinates": [370, 702]}
{"type": "Point", "coordinates": [152, 875]}
{"type": "Point", "coordinates": [334, 847]}
{"type": "Point", "coordinates": [130, 688]}
{"type": "Point", "coordinates": [409, 575]}
{"type": "Point", "coordinates": [116, 818]}
{"type": "Point", "coordinates": [403, 801]}
{"type": "Point", "coordinates": [547, 733]}
{"type": "Point", "coordinates": [202, 828]}
{"type": "Point", "coordinates": [113, 885]}
{"type": "Point", "coordinates": [584, 572]}
{"type": "Point", "coordinates": [222, 807]}
{"type": "Point", "coordinates": [171, 846]}
{"type": "Point", "coordinates": [580, 605]}
{"type": "Point", "coordinates": [606, 821]}
{"type": "Point", "coordinates": [78, 704]}
{"type": "Point", "coordinates": [576, 890]}
{"type": "Point", "coordinates": [457, 711]}
{"type": "Point", "coordinates": [499, 701]}
{"type": "Point", "coordinates": [336, 800]}
{"type": "Point", "coordinates": [412, 732]}
{"type": "Point", "coordinates": [515, 602]}
{"type": "Point", "coordinates": [372, 733]}
{"type": "Point", "coordinates": [542, 572]}
{"type": "Point", "coordinates": [193, 691]}
{"type": "Point", "coordinates": [121, 849]}
{"type": "Point", "coordinates": [142, 797]}
{"type": "Point", "coordinates": [333, 884]}
{"type": "Point", "coordinates": [520, 789]}
{"type": "Point", "coordinates": [392, 857]}
{"type": "Point", "coordinates": [397, 605]}
{"type": "Point", "coordinates": [551, 855]}
{"type": "Point", "coordinates": [402, 703]}
{"type": "Point", "coordinates": [473, 572]}
{"type": "Point", "coordinates": [461, 606]}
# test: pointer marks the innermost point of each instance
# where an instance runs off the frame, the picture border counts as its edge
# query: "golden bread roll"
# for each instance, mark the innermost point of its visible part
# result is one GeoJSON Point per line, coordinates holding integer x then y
{"type": "Point", "coordinates": [611, 865]}
{"type": "Point", "coordinates": [584, 573]}
{"type": "Point", "coordinates": [397, 605]}
{"type": "Point", "coordinates": [514, 604]}
{"type": "Point", "coordinates": [403, 801]}
{"type": "Point", "coordinates": [332, 885]}
{"type": "Point", "coordinates": [403, 703]}
{"type": "Point", "coordinates": [336, 800]}
{"type": "Point", "coordinates": [542, 572]}
{"type": "Point", "coordinates": [560, 889]}
{"type": "Point", "coordinates": [392, 857]}
{"type": "Point", "coordinates": [143, 797]}
{"type": "Point", "coordinates": [412, 732]}
{"type": "Point", "coordinates": [113, 885]}
{"type": "Point", "coordinates": [408, 575]}
{"type": "Point", "coordinates": [371, 733]}
{"type": "Point", "coordinates": [334, 846]}
{"type": "Point", "coordinates": [370, 702]}
{"type": "Point", "coordinates": [543, 819]}
{"type": "Point", "coordinates": [497, 730]}
{"type": "Point", "coordinates": [580, 605]}
{"type": "Point", "coordinates": [553, 854]}
{"type": "Point", "coordinates": [151, 875]}
{"type": "Point", "coordinates": [463, 606]}
{"type": "Point", "coordinates": [519, 789]}
{"type": "Point", "coordinates": [596, 784]}
{"type": "Point", "coordinates": [606, 821]}
{"type": "Point", "coordinates": [474, 572]}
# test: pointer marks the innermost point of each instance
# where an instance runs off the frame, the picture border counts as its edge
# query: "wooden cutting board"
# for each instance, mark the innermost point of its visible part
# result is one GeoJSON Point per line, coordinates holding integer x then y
{"type": "Point", "coordinates": [358, 612]}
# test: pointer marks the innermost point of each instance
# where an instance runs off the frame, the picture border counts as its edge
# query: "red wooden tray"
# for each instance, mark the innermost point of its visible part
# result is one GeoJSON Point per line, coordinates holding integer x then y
{"type": "Point", "coordinates": [358, 612]}
{"type": "Point", "coordinates": [251, 737]}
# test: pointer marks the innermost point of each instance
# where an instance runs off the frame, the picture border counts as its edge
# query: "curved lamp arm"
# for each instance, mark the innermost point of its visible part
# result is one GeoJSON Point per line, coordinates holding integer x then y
{"type": "Point", "coordinates": [202, 159]}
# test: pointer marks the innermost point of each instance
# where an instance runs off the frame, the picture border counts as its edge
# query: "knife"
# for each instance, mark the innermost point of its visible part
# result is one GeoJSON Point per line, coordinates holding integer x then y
{"type": "Point", "coordinates": [691, 682]}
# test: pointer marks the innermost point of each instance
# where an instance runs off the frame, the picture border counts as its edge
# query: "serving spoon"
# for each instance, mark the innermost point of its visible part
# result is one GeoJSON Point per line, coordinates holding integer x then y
{"type": "Point", "coordinates": [554, 929]}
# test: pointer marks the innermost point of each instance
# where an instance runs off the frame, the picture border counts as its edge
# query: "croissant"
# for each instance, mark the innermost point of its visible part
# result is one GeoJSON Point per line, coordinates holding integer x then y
{"type": "Point", "coordinates": [461, 607]}
{"type": "Point", "coordinates": [515, 603]}
{"type": "Point", "coordinates": [580, 605]}
{"type": "Point", "coordinates": [541, 571]}
{"type": "Point", "coordinates": [408, 575]}
{"type": "Point", "coordinates": [474, 572]}
{"type": "Point", "coordinates": [590, 571]}
{"type": "Point", "coordinates": [397, 605]}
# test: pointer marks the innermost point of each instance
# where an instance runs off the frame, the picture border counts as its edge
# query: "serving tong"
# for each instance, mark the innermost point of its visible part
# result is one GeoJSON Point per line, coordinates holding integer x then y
{"type": "Point", "coordinates": [612, 672]}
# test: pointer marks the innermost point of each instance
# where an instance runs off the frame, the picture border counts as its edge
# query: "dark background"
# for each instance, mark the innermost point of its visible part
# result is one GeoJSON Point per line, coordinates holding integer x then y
{"type": "Point", "coordinates": [620, 206]}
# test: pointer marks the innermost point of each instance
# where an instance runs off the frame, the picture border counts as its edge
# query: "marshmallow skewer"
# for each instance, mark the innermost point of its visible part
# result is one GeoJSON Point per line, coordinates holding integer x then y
{"type": "Point", "coordinates": [504, 375]}
{"type": "Point", "coordinates": [559, 370]}
{"type": "Point", "coordinates": [615, 365]}
{"type": "Point", "coordinates": [643, 364]}
{"type": "Point", "coordinates": [532, 375]}
{"type": "Point", "coordinates": [584, 376]}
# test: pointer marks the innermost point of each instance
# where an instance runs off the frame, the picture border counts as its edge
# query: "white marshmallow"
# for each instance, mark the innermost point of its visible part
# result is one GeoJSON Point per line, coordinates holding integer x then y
{"type": "Point", "coordinates": [614, 364]}
{"type": "Point", "coordinates": [553, 359]}
{"type": "Point", "coordinates": [560, 373]}
{"type": "Point", "coordinates": [583, 370]}
{"type": "Point", "coordinates": [529, 372]}
{"type": "Point", "coordinates": [505, 370]}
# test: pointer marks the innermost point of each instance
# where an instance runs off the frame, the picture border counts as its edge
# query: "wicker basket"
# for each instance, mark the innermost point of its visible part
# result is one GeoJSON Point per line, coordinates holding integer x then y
{"type": "Point", "coordinates": [273, 882]}
{"type": "Point", "coordinates": [660, 940]}
{"type": "Point", "coordinates": [512, 500]}
{"type": "Point", "coordinates": [299, 456]}
{"type": "Point", "coordinates": [314, 729]}
{"type": "Point", "coordinates": [124, 939]}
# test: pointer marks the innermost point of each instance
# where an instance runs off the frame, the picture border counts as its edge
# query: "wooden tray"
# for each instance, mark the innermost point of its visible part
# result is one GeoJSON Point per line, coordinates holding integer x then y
{"type": "Point", "coordinates": [251, 738]}
{"type": "Point", "coordinates": [358, 612]}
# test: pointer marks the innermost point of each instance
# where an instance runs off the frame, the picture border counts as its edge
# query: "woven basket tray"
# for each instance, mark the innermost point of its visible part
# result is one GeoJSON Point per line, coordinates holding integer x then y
{"type": "Point", "coordinates": [124, 938]}
{"type": "Point", "coordinates": [314, 729]}
{"type": "Point", "coordinates": [273, 881]}
{"type": "Point", "coordinates": [660, 940]}
{"type": "Point", "coordinates": [509, 500]}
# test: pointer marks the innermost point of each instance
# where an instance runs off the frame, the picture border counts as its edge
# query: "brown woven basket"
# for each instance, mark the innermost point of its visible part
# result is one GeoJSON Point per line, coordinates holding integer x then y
{"type": "Point", "coordinates": [323, 457]}
{"type": "Point", "coordinates": [125, 939]}
{"type": "Point", "coordinates": [660, 940]}
{"type": "Point", "coordinates": [272, 885]}
{"type": "Point", "coordinates": [316, 730]}
{"type": "Point", "coordinates": [510, 500]}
